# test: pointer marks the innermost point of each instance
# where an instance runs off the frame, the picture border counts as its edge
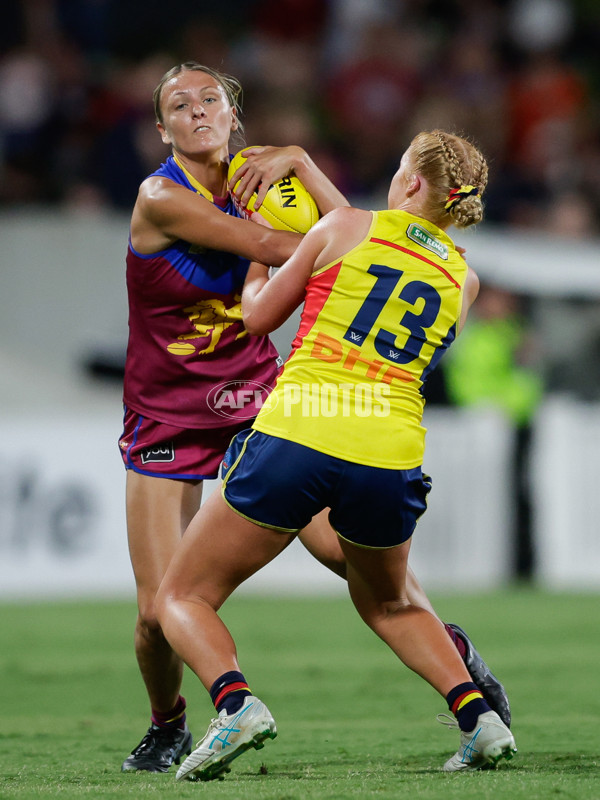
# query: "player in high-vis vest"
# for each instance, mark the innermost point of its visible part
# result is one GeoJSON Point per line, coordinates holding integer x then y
{"type": "Point", "coordinates": [385, 295]}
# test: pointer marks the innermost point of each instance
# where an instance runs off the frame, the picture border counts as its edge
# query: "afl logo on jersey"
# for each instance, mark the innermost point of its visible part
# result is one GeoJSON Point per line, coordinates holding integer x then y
{"type": "Point", "coordinates": [238, 399]}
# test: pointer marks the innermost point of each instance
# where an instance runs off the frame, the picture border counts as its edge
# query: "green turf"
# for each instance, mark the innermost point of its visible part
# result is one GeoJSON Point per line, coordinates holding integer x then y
{"type": "Point", "coordinates": [353, 722]}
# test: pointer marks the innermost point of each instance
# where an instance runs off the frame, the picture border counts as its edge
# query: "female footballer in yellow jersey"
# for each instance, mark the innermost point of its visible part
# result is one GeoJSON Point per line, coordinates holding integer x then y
{"type": "Point", "coordinates": [385, 294]}
{"type": "Point", "coordinates": [376, 320]}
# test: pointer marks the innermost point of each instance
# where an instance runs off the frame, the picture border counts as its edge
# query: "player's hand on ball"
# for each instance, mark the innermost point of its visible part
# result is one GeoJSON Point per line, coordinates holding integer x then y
{"type": "Point", "coordinates": [281, 198]}
{"type": "Point", "coordinates": [259, 219]}
{"type": "Point", "coordinates": [263, 167]}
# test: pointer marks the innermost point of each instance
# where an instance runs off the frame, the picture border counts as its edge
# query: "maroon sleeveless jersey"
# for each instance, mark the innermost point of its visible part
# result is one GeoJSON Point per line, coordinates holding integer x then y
{"type": "Point", "coordinates": [190, 361]}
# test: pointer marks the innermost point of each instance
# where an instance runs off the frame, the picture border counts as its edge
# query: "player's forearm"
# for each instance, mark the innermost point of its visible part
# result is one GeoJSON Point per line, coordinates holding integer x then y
{"type": "Point", "coordinates": [269, 246]}
{"type": "Point", "coordinates": [256, 279]}
{"type": "Point", "coordinates": [326, 195]}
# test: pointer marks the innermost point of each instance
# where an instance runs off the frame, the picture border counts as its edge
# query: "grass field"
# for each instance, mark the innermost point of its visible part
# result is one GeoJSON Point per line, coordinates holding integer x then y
{"type": "Point", "coordinates": [353, 722]}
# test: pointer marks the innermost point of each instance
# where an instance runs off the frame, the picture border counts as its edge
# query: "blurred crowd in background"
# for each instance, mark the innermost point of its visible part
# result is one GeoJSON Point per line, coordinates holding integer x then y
{"type": "Point", "coordinates": [350, 80]}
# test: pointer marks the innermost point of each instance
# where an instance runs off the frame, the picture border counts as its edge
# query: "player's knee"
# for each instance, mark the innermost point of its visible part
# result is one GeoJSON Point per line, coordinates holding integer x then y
{"type": "Point", "coordinates": [336, 562]}
{"type": "Point", "coordinates": [148, 623]}
{"type": "Point", "coordinates": [163, 606]}
{"type": "Point", "coordinates": [377, 613]}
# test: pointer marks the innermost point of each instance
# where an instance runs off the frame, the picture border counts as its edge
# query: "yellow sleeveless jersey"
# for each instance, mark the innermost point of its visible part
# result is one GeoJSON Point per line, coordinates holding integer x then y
{"type": "Point", "coordinates": [374, 323]}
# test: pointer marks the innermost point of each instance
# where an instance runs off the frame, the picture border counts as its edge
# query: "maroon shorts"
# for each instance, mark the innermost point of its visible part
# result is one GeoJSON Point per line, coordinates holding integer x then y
{"type": "Point", "coordinates": [164, 451]}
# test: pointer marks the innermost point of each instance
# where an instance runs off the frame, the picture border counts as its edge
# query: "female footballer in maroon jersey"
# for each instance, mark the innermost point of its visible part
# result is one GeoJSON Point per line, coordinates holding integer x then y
{"type": "Point", "coordinates": [187, 258]}
{"type": "Point", "coordinates": [189, 358]}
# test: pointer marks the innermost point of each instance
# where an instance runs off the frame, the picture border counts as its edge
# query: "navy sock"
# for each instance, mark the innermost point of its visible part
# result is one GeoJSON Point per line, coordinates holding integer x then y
{"type": "Point", "coordinates": [229, 692]}
{"type": "Point", "coordinates": [175, 718]}
{"type": "Point", "coordinates": [466, 702]}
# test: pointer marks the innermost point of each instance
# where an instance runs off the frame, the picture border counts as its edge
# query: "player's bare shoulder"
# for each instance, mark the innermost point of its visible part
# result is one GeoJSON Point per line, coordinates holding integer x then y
{"type": "Point", "coordinates": [166, 211]}
{"type": "Point", "coordinates": [345, 220]}
{"type": "Point", "coordinates": [157, 193]}
{"type": "Point", "coordinates": [351, 223]}
{"type": "Point", "coordinates": [340, 231]}
{"type": "Point", "coordinates": [157, 199]}
{"type": "Point", "coordinates": [349, 215]}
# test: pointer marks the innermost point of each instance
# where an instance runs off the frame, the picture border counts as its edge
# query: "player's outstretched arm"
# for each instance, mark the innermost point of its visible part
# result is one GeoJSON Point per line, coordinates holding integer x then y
{"type": "Point", "coordinates": [165, 212]}
{"type": "Point", "coordinates": [268, 302]}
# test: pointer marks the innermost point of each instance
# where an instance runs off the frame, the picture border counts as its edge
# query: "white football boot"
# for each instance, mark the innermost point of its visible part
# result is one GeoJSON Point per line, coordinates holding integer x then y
{"type": "Point", "coordinates": [227, 737]}
{"type": "Point", "coordinates": [483, 747]}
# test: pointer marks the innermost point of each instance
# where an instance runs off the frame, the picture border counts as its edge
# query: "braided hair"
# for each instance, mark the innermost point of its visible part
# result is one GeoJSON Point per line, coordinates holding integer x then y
{"type": "Point", "coordinates": [456, 173]}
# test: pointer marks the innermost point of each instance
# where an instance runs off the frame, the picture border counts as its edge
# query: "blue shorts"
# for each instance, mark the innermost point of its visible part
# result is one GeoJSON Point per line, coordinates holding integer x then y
{"type": "Point", "coordinates": [282, 485]}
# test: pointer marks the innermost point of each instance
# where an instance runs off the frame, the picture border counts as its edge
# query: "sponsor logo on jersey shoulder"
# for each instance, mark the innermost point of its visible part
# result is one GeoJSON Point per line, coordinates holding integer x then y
{"type": "Point", "coordinates": [421, 236]}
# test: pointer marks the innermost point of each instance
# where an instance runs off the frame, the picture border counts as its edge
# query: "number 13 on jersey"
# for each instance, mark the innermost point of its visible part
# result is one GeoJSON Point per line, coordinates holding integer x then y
{"type": "Point", "coordinates": [414, 322]}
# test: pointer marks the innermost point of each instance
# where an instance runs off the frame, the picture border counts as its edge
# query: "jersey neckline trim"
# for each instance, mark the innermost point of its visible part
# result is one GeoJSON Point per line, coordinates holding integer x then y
{"type": "Point", "coordinates": [198, 187]}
